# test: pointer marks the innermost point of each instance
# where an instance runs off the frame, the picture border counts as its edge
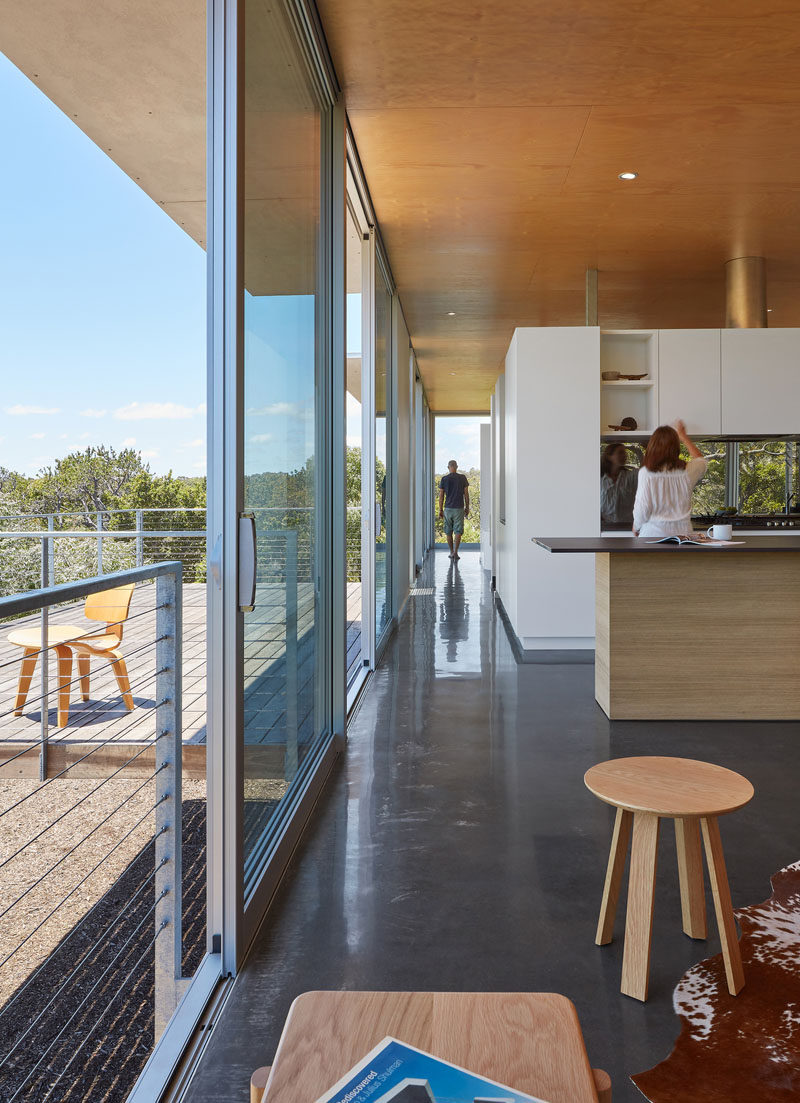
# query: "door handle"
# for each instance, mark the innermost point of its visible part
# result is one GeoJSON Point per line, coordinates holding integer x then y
{"type": "Point", "coordinates": [247, 562]}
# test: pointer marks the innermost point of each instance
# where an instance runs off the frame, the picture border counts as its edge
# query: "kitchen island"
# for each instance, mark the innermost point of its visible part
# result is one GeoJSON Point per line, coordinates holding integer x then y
{"type": "Point", "coordinates": [695, 633]}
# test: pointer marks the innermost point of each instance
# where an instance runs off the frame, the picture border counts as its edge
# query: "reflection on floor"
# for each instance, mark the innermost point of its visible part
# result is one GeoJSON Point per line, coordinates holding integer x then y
{"type": "Point", "coordinates": [456, 847]}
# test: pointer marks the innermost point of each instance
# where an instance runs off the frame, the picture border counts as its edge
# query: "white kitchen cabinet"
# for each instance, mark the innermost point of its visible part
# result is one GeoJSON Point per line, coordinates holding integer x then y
{"type": "Point", "coordinates": [760, 381]}
{"type": "Point", "coordinates": [689, 379]}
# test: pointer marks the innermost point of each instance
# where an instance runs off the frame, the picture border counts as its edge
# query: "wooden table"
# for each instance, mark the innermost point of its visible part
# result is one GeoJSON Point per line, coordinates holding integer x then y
{"type": "Point", "coordinates": [645, 790]}
{"type": "Point", "coordinates": [529, 1041]}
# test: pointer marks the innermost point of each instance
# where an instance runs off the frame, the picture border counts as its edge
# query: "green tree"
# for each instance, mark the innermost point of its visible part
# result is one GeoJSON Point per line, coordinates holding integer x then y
{"type": "Point", "coordinates": [89, 481]}
{"type": "Point", "coordinates": [98, 479]}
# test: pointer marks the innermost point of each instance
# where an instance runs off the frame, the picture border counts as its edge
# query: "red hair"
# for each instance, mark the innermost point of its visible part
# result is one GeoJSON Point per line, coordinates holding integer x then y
{"type": "Point", "coordinates": [664, 451]}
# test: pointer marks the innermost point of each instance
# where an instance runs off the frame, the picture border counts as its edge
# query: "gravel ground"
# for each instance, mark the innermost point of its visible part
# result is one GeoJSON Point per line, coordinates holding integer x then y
{"type": "Point", "coordinates": [93, 858]}
{"type": "Point", "coordinates": [76, 953]}
{"type": "Point", "coordinates": [82, 1026]}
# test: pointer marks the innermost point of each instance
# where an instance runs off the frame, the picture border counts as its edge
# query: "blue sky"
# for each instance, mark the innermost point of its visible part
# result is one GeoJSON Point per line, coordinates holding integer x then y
{"type": "Point", "coordinates": [102, 317]}
{"type": "Point", "coordinates": [102, 303]}
{"type": "Point", "coordinates": [458, 438]}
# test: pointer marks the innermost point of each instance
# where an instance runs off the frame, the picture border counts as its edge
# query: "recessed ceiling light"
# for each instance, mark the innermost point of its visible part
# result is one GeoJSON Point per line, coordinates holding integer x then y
{"type": "Point", "coordinates": [769, 310]}
{"type": "Point", "coordinates": [452, 373]}
{"type": "Point", "coordinates": [451, 313]}
{"type": "Point", "coordinates": [628, 175]}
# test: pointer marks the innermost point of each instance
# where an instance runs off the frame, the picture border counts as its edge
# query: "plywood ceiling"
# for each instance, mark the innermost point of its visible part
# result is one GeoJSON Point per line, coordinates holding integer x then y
{"type": "Point", "coordinates": [492, 136]}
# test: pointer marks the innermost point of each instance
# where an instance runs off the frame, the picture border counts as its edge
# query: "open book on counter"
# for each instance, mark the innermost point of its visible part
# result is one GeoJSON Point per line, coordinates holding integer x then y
{"type": "Point", "coordinates": [398, 1073]}
{"type": "Point", "coordinates": [699, 538]}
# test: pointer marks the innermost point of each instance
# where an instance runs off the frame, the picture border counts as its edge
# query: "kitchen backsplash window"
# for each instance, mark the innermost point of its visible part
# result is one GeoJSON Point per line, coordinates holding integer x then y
{"type": "Point", "coordinates": [710, 493]}
{"type": "Point", "coordinates": [767, 475]}
{"type": "Point", "coordinates": [750, 478]}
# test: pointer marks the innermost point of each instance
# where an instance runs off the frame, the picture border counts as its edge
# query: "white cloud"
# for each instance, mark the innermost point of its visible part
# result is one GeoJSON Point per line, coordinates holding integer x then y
{"type": "Point", "coordinates": [19, 411]}
{"type": "Point", "coordinates": [62, 436]}
{"type": "Point", "coordinates": [84, 436]}
{"type": "Point", "coordinates": [199, 443]}
{"type": "Point", "coordinates": [261, 438]}
{"type": "Point", "coordinates": [157, 411]}
{"type": "Point", "coordinates": [129, 442]}
{"type": "Point", "coordinates": [150, 453]}
{"type": "Point", "coordinates": [93, 413]}
{"type": "Point", "coordinates": [199, 465]}
{"type": "Point", "coordinates": [283, 409]}
{"type": "Point", "coordinates": [37, 436]}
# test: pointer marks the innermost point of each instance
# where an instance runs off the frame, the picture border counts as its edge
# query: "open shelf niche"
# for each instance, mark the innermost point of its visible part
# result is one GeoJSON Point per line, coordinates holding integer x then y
{"type": "Point", "coordinates": [630, 352]}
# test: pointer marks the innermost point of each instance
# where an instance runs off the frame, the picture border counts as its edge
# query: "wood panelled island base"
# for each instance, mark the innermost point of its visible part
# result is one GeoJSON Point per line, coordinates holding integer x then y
{"type": "Point", "coordinates": [692, 633]}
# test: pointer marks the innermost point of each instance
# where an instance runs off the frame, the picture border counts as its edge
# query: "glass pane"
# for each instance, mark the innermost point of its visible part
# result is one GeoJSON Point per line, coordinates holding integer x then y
{"type": "Point", "coordinates": [459, 439]}
{"type": "Point", "coordinates": [355, 246]}
{"type": "Point", "coordinates": [281, 222]}
{"type": "Point", "coordinates": [762, 476]}
{"type": "Point", "coordinates": [383, 346]}
{"type": "Point", "coordinates": [709, 494]}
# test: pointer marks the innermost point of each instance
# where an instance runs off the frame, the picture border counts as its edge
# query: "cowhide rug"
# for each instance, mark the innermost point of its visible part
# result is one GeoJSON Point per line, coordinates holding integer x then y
{"type": "Point", "coordinates": [747, 1047]}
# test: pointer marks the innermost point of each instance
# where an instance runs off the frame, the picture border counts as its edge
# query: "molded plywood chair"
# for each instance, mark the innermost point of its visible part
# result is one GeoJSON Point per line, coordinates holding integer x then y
{"type": "Point", "coordinates": [112, 607]}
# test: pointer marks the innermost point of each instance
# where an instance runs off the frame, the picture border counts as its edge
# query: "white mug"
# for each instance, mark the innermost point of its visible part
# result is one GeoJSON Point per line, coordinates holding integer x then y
{"type": "Point", "coordinates": [720, 532]}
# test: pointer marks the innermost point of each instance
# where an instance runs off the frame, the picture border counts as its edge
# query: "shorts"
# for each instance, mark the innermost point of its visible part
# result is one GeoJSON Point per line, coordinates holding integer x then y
{"type": "Point", "coordinates": [453, 521]}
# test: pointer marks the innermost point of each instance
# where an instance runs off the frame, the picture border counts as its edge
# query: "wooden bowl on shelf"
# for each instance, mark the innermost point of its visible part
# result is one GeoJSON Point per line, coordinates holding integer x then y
{"type": "Point", "coordinates": [628, 425]}
{"type": "Point", "coordinates": [609, 376]}
{"type": "Point", "coordinates": [635, 378]}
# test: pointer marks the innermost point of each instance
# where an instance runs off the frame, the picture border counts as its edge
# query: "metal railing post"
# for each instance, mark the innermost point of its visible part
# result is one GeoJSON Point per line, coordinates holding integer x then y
{"type": "Point", "coordinates": [139, 538]}
{"type": "Point", "coordinates": [44, 667]}
{"type": "Point", "coordinates": [51, 574]}
{"type": "Point", "coordinates": [169, 983]}
{"type": "Point", "coordinates": [99, 527]}
{"type": "Point", "coordinates": [291, 763]}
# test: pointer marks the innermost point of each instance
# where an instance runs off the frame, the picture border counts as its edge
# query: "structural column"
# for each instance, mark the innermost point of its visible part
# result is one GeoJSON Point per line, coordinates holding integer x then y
{"type": "Point", "coordinates": [746, 293]}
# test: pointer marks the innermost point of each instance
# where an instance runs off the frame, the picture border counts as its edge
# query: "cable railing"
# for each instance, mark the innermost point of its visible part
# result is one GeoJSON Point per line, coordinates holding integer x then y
{"type": "Point", "coordinates": [66, 843]}
{"type": "Point", "coordinates": [88, 543]}
{"type": "Point", "coordinates": [123, 538]}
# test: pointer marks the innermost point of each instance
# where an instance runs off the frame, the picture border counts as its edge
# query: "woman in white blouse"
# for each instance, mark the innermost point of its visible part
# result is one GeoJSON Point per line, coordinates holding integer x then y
{"type": "Point", "coordinates": [663, 505]}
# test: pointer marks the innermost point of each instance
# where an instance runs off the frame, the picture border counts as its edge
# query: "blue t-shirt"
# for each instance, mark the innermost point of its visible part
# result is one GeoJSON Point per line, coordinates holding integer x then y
{"type": "Point", "coordinates": [454, 487]}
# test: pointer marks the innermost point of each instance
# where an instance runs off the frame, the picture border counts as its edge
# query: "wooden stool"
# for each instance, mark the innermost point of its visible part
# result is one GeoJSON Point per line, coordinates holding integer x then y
{"type": "Point", "coordinates": [694, 794]}
{"type": "Point", "coordinates": [258, 1083]}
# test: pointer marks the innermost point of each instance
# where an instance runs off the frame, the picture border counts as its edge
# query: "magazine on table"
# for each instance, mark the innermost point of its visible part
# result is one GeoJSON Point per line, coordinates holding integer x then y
{"type": "Point", "coordinates": [699, 538]}
{"type": "Point", "coordinates": [395, 1072]}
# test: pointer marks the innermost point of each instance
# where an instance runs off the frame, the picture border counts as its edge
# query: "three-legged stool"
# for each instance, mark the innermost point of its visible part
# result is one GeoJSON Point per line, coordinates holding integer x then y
{"type": "Point", "coordinates": [644, 791]}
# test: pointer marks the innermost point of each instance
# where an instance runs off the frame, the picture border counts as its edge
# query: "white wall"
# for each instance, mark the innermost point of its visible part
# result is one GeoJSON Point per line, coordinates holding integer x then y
{"type": "Point", "coordinates": [552, 414]}
{"type": "Point", "coordinates": [498, 475]}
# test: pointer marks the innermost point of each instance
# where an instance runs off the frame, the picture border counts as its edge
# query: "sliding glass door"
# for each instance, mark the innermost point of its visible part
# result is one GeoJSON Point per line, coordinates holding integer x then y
{"type": "Point", "coordinates": [284, 580]}
{"type": "Point", "coordinates": [382, 490]}
{"type": "Point", "coordinates": [358, 404]}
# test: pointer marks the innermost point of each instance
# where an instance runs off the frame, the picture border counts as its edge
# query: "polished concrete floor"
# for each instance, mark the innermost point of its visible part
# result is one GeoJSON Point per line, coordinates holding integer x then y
{"type": "Point", "coordinates": [456, 847]}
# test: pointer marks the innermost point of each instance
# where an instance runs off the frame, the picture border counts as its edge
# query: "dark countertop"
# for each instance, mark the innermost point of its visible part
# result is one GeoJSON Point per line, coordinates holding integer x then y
{"type": "Point", "coordinates": [643, 544]}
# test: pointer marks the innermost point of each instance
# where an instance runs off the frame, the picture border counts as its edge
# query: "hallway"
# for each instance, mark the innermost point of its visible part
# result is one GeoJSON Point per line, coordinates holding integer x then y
{"type": "Point", "coordinates": [456, 848]}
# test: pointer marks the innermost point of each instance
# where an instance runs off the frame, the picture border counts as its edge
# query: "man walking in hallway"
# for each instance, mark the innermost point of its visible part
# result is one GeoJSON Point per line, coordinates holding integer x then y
{"type": "Point", "coordinates": [453, 506]}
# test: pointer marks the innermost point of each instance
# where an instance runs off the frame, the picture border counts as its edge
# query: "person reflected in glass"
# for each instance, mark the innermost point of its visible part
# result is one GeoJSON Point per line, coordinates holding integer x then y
{"type": "Point", "coordinates": [663, 504]}
{"type": "Point", "coordinates": [453, 506]}
{"type": "Point", "coordinates": [618, 484]}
